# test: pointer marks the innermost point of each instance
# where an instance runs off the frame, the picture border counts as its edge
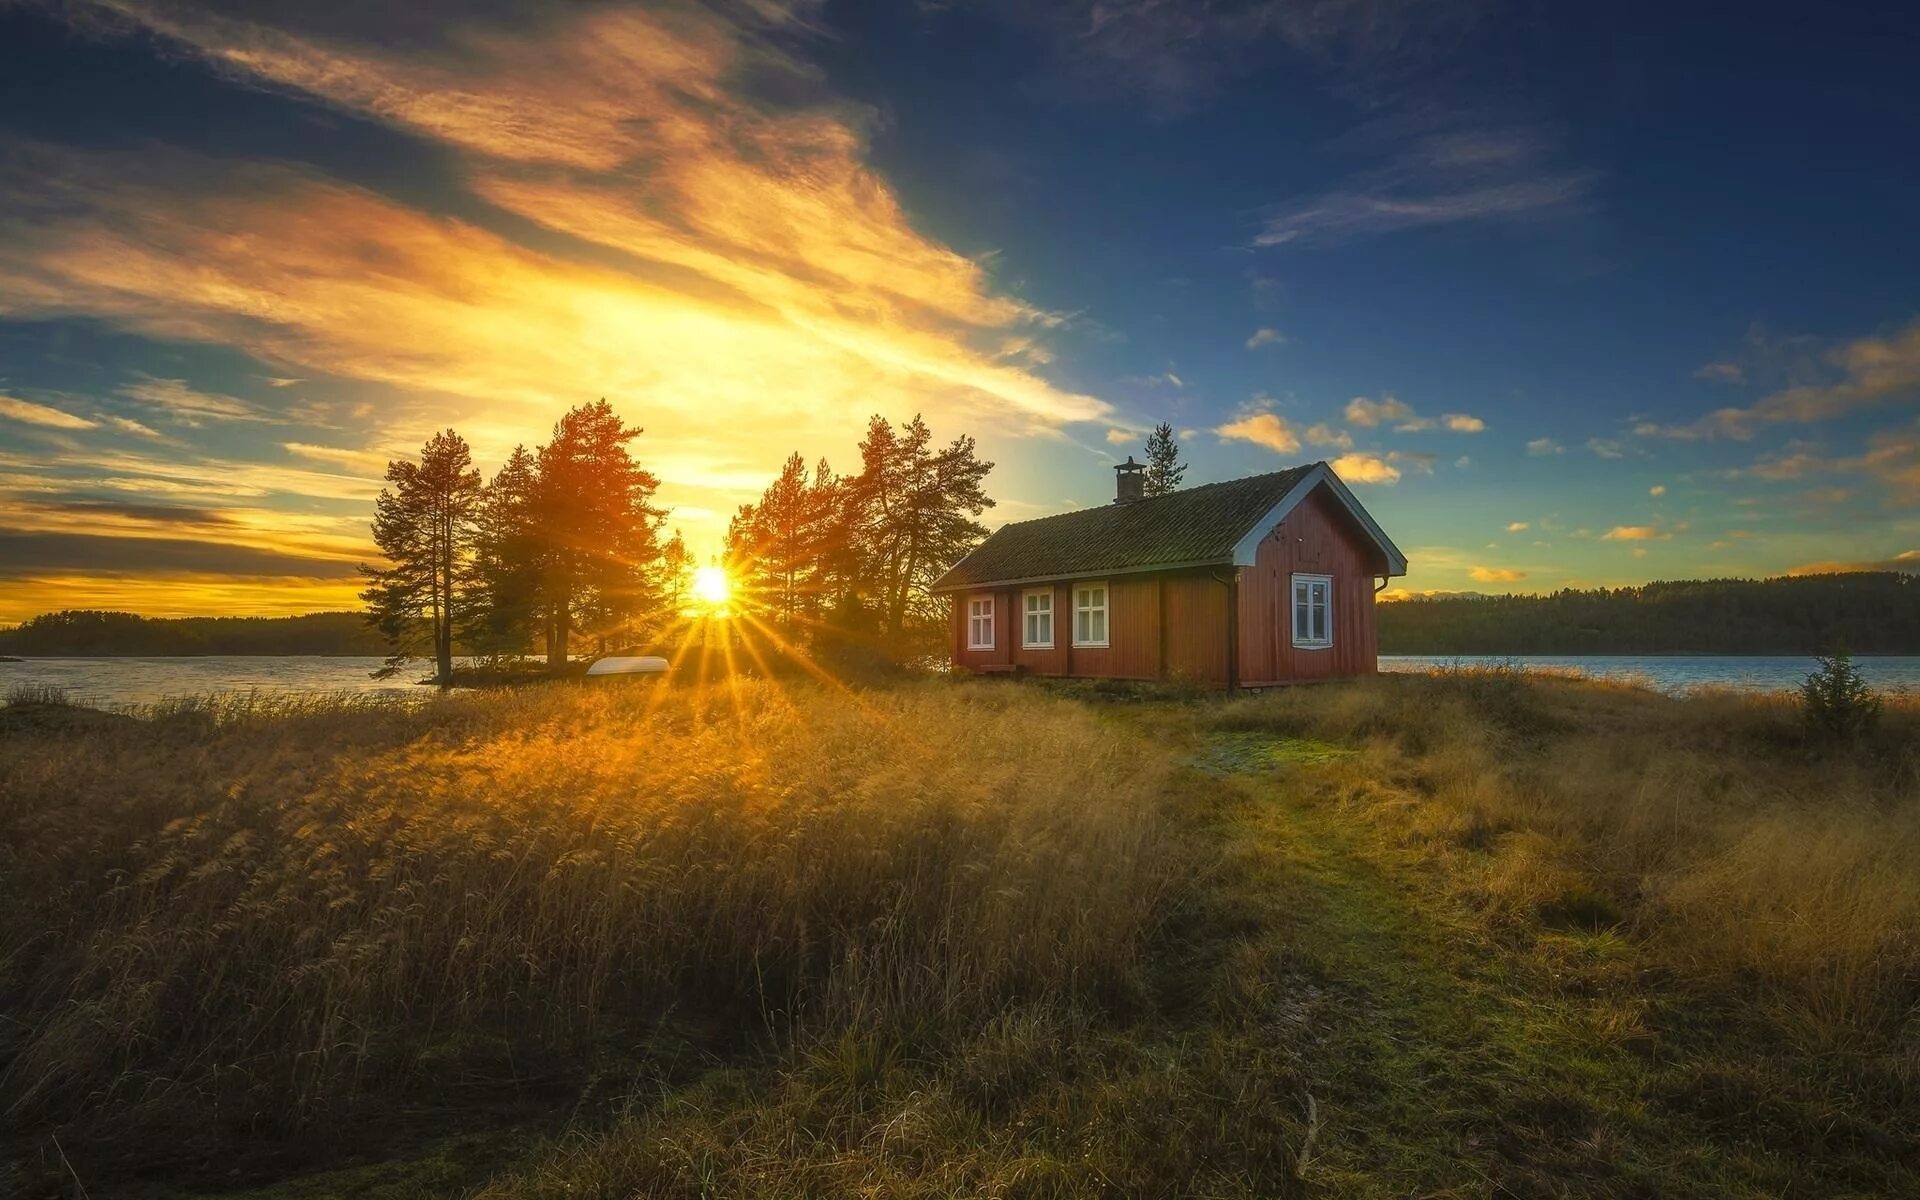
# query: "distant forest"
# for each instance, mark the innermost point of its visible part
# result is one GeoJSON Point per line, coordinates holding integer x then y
{"type": "Point", "coordinates": [82, 634]}
{"type": "Point", "coordinates": [1872, 613]}
{"type": "Point", "coordinates": [1868, 612]}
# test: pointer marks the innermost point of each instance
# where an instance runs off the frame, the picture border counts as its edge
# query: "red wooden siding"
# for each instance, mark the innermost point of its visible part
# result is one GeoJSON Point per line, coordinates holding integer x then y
{"type": "Point", "coordinates": [1317, 538]}
{"type": "Point", "coordinates": [1197, 626]}
{"type": "Point", "coordinates": [1175, 624]}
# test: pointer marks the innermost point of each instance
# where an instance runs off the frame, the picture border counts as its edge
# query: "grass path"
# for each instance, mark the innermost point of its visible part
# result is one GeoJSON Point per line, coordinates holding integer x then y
{"type": "Point", "coordinates": [1442, 1062]}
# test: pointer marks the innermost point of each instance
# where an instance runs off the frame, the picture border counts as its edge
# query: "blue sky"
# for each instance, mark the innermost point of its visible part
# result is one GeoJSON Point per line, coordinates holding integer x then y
{"type": "Point", "coordinates": [1570, 297]}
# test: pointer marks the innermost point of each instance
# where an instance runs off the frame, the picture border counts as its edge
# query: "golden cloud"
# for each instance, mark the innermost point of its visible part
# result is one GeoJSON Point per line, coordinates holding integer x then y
{"type": "Point", "coordinates": [29, 413]}
{"type": "Point", "coordinates": [1390, 410]}
{"type": "Point", "coordinates": [1864, 373]}
{"type": "Point", "coordinates": [1496, 575]}
{"type": "Point", "coordinates": [1907, 562]}
{"type": "Point", "coordinates": [1262, 429]}
{"type": "Point", "coordinates": [1365, 468]}
{"type": "Point", "coordinates": [1370, 413]}
{"type": "Point", "coordinates": [1323, 434]}
{"type": "Point", "coordinates": [1633, 533]}
{"type": "Point", "coordinates": [726, 263]}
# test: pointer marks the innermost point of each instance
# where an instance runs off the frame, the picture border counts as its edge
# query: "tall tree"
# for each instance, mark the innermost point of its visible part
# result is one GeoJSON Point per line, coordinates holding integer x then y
{"type": "Point", "coordinates": [676, 568]}
{"type": "Point", "coordinates": [915, 510]}
{"type": "Point", "coordinates": [836, 554]}
{"type": "Point", "coordinates": [771, 545]}
{"type": "Point", "coordinates": [502, 604]}
{"type": "Point", "coordinates": [599, 526]}
{"type": "Point", "coordinates": [1164, 468]}
{"type": "Point", "coordinates": [423, 523]}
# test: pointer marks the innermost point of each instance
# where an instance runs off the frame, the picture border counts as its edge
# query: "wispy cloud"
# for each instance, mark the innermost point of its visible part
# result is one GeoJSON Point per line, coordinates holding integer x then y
{"type": "Point", "coordinates": [369, 462]}
{"type": "Point", "coordinates": [1542, 447]}
{"type": "Point", "coordinates": [189, 405]}
{"type": "Point", "coordinates": [1448, 171]}
{"type": "Point", "coordinates": [1906, 562]}
{"type": "Point", "coordinates": [43, 415]}
{"type": "Point", "coordinates": [1322, 434]}
{"type": "Point", "coordinates": [1266, 337]}
{"type": "Point", "coordinates": [715, 239]}
{"type": "Point", "coordinates": [1176, 55]}
{"type": "Point", "coordinates": [1366, 413]}
{"type": "Point", "coordinates": [1518, 526]}
{"type": "Point", "coordinates": [1890, 457]}
{"type": "Point", "coordinates": [1865, 373]}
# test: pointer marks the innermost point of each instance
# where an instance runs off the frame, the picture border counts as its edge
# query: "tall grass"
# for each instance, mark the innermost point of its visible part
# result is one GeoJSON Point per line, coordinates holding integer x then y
{"type": "Point", "coordinates": [254, 915]}
{"type": "Point", "coordinates": [1732, 846]}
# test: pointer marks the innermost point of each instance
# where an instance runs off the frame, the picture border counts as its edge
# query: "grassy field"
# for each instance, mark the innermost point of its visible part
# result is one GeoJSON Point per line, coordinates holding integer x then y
{"type": "Point", "coordinates": [1466, 935]}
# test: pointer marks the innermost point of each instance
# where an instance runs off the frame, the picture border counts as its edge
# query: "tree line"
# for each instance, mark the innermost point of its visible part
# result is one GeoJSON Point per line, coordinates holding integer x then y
{"type": "Point", "coordinates": [839, 556]}
{"type": "Point", "coordinates": [1868, 612]}
{"type": "Point", "coordinates": [565, 540]}
{"type": "Point", "coordinates": [90, 633]}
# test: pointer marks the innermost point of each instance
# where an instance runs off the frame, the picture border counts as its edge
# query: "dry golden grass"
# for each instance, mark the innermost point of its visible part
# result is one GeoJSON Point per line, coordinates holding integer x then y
{"type": "Point", "coordinates": [1729, 845]}
{"type": "Point", "coordinates": [247, 917]}
{"type": "Point", "coordinates": [1536, 935]}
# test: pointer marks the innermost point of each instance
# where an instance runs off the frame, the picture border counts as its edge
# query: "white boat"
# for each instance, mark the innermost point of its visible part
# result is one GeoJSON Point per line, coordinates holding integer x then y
{"type": "Point", "coordinates": [646, 664]}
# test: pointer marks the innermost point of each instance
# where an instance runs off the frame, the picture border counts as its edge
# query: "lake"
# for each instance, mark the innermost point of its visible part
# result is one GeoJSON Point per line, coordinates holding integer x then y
{"type": "Point", "coordinates": [1678, 672]}
{"type": "Point", "coordinates": [122, 681]}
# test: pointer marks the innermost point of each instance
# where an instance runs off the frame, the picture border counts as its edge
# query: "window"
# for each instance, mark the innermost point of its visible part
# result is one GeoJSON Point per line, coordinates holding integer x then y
{"type": "Point", "coordinates": [1090, 614]}
{"type": "Point", "coordinates": [1312, 611]}
{"type": "Point", "coordinates": [1036, 632]}
{"type": "Point", "coordinates": [980, 623]}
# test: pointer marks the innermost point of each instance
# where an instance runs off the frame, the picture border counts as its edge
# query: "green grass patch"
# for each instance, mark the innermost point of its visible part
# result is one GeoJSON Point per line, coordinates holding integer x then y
{"type": "Point", "coordinates": [1249, 752]}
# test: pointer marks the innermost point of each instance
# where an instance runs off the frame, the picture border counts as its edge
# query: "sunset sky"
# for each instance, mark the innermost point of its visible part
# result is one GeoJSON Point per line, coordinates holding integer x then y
{"type": "Point", "coordinates": [1570, 297]}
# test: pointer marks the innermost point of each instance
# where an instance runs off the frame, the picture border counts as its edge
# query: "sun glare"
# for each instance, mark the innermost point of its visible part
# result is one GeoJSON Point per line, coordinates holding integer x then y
{"type": "Point", "coordinates": [710, 586]}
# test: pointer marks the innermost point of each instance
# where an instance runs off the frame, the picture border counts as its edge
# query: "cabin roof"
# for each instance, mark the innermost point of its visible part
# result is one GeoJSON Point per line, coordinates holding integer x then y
{"type": "Point", "coordinates": [1210, 525]}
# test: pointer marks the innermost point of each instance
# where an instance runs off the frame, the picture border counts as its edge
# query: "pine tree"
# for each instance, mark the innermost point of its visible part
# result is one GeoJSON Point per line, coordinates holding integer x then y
{"type": "Point", "coordinates": [1837, 703]}
{"type": "Point", "coordinates": [423, 523]}
{"type": "Point", "coordinates": [599, 529]}
{"type": "Point", "coordinates": [1164, 468]}
{"type": "Point", "coordinates": [676, 568]}
{"type": "Point", "coordinates": [503, 596]}
{"type": "Point", "coordinates": [913, 514]}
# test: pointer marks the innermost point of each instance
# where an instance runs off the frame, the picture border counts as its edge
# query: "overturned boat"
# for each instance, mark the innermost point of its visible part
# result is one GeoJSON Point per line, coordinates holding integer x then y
{"type": "Point", "coordinates": [646, 664]}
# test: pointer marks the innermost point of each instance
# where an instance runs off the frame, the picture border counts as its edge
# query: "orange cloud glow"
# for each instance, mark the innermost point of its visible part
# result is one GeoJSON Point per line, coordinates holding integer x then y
{"type": "Point", "coordinates": [731, 274]}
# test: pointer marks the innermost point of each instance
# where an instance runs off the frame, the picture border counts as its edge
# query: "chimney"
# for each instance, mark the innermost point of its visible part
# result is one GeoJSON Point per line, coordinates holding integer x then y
{"type": "Point", "coordinates": [1130, 481]}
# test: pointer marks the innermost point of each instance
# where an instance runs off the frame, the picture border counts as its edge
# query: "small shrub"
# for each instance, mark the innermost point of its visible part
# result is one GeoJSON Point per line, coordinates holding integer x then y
{"type": "Point", "coordinates": [1836, 702]}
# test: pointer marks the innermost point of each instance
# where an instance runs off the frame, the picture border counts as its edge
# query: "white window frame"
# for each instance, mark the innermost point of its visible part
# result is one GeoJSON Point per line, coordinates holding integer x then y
{"type": "Point", "coordinates": [1028, 613]}
{"type": "Point", "coordinates": [1104, 608]}
{"type": "Point", "coordinates": [975, 615]}
{"type": "Point", "coordinates": [1309, 642]}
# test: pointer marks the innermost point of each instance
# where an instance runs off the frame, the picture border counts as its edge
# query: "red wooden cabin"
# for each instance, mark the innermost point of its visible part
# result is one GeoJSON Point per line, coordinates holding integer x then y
{"type": "Point", "coordinates": [1247, 583]}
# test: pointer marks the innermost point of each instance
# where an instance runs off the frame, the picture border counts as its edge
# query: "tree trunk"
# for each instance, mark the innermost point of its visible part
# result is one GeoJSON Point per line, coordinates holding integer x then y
{"type": "Point", "coordinates": [557, 637]}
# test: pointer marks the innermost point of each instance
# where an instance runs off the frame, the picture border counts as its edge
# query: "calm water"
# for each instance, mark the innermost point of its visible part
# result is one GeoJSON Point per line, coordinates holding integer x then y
{"type": "Point", "coordinates": [1675, 673]}
{"type": "Point", "coordinates": [117, 681]}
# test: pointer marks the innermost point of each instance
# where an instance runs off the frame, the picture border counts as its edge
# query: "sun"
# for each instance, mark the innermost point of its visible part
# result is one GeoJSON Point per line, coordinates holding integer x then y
{"type": "Point", "coordinates": [710, 586]}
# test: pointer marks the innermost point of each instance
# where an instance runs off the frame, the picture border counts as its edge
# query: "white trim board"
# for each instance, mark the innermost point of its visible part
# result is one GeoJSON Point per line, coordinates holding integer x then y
{"type": "Point", "coordinates": [1246, 550]}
